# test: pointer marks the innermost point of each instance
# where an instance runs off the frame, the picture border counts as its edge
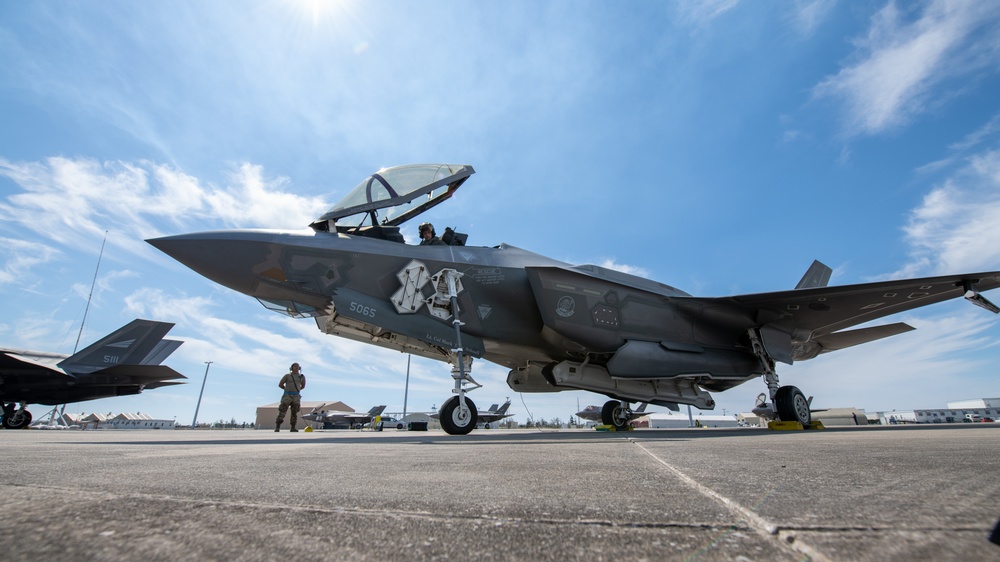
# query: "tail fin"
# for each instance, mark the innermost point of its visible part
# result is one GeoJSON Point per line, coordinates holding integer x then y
{"type": "Point", "coordinates": [376, 411]}
{"type": "Point", "coordinates": [140, 342]}
{"type": "Point", "coordinates": [493, 408]}
{"type": "Point", "coordinates": [642, 408]}
{"type": "Point", "coordinates": [818, 275]}
{"type": "Point", "coordinates": [503, 409]}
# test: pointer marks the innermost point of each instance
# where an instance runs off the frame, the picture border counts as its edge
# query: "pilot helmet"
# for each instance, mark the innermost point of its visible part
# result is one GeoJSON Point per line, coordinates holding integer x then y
{"type": "Point", "coordinates": [426, 226]}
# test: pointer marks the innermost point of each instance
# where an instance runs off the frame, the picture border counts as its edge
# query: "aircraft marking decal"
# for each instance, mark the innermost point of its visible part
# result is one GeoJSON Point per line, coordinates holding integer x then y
{"type": "Point", "coordinates": [123, 343]}
{"type": "Point", "coordinates": [485, 311]}
{"type": "Point", "coordinates": [408, 299]}
{"type": "Point", "coordinates": [566, 307]}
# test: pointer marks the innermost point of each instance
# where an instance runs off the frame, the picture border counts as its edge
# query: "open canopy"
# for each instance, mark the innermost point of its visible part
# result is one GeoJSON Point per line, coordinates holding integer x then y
{"type": "Point", "coordinates": [400, 192]}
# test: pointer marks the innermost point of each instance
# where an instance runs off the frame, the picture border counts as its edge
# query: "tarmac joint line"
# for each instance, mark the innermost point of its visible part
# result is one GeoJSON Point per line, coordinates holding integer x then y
{"type": "Point", "coordinates": [787, 538]}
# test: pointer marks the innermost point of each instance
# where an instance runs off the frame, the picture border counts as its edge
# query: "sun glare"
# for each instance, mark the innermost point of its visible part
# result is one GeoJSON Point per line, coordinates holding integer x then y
{"type": "Point", "coordinates": [318, 12]}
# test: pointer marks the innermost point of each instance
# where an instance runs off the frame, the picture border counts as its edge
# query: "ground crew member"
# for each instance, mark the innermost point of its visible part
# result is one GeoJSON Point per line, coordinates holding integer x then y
{"type": "Point", "coordinates": [292, 383]}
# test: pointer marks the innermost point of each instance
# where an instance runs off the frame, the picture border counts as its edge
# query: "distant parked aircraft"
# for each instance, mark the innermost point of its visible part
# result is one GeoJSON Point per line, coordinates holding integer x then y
{"type": "Point", "coordinates": [353, 419]}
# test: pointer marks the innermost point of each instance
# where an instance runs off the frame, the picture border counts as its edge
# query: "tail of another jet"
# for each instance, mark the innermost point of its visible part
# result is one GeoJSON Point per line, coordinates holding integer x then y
{"type": "Point", "coordinates": [376, 411]}
{"type": "Point", "coordinates": [503, 409]}
{"type": "Point", "coordinates": [140, 342]}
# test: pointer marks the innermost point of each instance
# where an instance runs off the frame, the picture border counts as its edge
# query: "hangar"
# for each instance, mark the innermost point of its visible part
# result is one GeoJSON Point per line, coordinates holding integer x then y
{"type": "Point", "coordinates": [267, 413]}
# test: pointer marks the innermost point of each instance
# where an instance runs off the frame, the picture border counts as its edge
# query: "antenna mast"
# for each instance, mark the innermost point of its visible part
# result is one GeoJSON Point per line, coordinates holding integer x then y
{"type": "Point", "coordinates": [91, 295]}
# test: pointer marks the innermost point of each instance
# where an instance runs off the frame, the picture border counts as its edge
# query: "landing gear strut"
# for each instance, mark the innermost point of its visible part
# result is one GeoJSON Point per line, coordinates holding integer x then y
{"type": "Point", "coordinates": [458, 413]}
{"type": "Point", "coordinates": [787, 402]}
{"type": "Point", "coordinates": [16, 419]}
{"type": "Point", "coordinates": [617, 414]}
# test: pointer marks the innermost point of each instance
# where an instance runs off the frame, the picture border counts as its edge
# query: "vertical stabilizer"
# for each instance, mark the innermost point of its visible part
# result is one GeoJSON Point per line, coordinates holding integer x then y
{"type": "Point", "coordinates": [137, 343]}
{"type": "Point", "coordinates": [818, 275]}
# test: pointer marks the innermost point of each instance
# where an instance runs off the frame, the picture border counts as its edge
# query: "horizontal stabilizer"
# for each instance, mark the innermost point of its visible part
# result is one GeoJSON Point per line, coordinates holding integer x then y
{"type": "Point", "coordinates": [849, 338]}
{"type": "Point", "coordinates": [139, 374]}
{"type": "Point", "coordinates": [161, 352]}
{"type": "Point", "coordinates": [818, 275]}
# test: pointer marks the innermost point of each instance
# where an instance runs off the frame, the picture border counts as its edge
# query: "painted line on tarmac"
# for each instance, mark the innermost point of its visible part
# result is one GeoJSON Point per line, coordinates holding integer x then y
{"type": "Point", "coordinates": [752, 519]}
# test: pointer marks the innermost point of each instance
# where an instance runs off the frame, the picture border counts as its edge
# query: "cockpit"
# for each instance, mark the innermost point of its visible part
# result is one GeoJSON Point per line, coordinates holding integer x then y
{"type": "Point", "coordinates": [388, 198]}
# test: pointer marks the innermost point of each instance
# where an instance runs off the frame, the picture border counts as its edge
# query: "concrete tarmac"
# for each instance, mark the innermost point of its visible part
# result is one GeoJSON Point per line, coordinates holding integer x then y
{"type": "Point", "coordinates": [872, 493]}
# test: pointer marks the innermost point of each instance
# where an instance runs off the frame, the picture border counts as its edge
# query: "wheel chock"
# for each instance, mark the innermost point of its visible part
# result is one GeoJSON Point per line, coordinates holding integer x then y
{"type": "Point", "coordinates": [308, 429]}
{"type": "Point", "coordinates": [612, 428]}
{"type": "Point", "coordinates": [793, 426]}
{"type": "Point", "coordinates": [784, 426]}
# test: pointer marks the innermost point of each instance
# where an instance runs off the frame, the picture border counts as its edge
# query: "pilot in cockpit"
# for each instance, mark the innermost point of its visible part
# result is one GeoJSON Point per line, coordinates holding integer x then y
{"type": "Point", "coordinates": [428, 237]}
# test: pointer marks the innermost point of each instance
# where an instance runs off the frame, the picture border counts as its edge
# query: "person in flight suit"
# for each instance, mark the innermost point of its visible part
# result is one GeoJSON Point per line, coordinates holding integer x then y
{"type": "Point", "coordinates": [428, 237]}
{"type": "Point", "coordinates": [292, 383]}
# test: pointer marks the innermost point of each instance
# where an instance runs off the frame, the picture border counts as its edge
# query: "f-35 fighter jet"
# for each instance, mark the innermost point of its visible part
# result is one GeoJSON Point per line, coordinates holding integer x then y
{"type": "Point", "coordinates": [126, 361]}
{"type": "Point", "coordinates": [556, 326]}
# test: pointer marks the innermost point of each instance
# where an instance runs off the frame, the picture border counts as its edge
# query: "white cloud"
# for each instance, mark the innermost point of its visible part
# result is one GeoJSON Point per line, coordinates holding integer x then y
{"type": "Point", "coordinates": [625, 268]}
{"type": "Point", "coordinates": [901, 371]}
{"type": "Point", "coordinates": [809, 14]}
{"type": "Point", "coordinates": [902, 63]}
{"type": "Point", "coordinates": [701, 13]}
{"type": "Point", "coordinates": [957, 226]}
{"type": "Point", "coordinates": [20, 257]}
{"type": "Point", "coordinates": [73, 202]}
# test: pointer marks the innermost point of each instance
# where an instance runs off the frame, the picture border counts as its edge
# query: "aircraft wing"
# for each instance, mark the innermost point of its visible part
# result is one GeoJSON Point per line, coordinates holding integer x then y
{"type": "Point", "coordinates": [813, 318]}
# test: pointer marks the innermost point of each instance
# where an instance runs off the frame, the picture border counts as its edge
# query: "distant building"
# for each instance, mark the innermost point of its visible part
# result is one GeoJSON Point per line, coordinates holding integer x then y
{"type": "Point", "coordinates": [956, 412]}
{"type": "Point", "coordinates": [975, 403]}
{"type": "Point", "coordinates": [138, 421]}
{"type": "Point", "coordinates": [676, 420]}
{"type": "Point", "coordinates": [267, 413]}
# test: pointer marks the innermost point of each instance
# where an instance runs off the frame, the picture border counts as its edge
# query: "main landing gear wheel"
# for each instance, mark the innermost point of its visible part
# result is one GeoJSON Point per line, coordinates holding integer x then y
{"type": "Point", "coordinates": [791, 405]}
{"type": "Point", "coordinates": [616, 414]}
{"type": "Point", "coordinates": [453, 420]}
{"type": "Point", "coordinates": [17, 420]}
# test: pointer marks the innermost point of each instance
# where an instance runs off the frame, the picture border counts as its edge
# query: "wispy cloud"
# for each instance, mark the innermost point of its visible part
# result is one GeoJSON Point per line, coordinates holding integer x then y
{"type": "Point", "coordinates": [20, 256]}
{"type": "Point", "coordinates": [810, 14]}
{"type": "Point", "coordinates": [72, 202]}
{"type": "Point", "coordinates": [903, 65]}
{"type": "Point", "coordinates": [702, 13]}
{"type": "Point", "coordinates": [956, 228]}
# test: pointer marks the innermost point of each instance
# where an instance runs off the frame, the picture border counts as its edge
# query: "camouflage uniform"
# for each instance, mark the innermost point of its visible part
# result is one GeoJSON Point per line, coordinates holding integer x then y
{"type": "Point", "coordinates": [292, 383]}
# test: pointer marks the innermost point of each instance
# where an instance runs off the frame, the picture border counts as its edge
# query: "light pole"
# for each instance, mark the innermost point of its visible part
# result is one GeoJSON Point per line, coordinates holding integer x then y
{"type": "Point", "coordinates": [194, 422]}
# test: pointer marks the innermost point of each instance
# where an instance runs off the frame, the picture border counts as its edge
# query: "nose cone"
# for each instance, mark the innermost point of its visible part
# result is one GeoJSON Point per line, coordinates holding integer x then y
{"type": "Point", "coordinates": [230, 258]}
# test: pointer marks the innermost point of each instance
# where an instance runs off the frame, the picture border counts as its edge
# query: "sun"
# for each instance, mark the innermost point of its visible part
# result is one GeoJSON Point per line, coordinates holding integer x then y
{"type": "Point", "coordinates": [318, 12]}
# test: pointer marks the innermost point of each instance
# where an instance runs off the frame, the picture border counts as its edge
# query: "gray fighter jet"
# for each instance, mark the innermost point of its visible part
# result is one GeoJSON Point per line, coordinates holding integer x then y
{"type": "Point", "coordinates": [596, 413]}
{"type": "Point", "coordinates": [335, 417]}
{"type": "Point", "coordinates": [556, 326]}
{"type": "Point", "coordinates": [126, 361]}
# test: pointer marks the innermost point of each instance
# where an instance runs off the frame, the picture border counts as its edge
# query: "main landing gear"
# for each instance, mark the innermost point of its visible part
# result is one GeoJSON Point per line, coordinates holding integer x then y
{"type": "Point", "coordinates": [616, 413]}
{"type": "Point", "coordinates": [787, 402]}
{"type": "Point", "coordinates": [15, 418]}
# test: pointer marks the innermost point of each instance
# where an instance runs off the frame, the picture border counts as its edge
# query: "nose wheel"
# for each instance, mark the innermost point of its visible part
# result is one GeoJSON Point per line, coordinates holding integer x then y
{"type": "Point", "coordinates": [456, 420]}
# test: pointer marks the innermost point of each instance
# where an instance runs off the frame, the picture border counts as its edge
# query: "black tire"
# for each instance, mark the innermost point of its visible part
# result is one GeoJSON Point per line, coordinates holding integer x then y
{"type": "Point", "coordinates": [452, 421]}
{"type": "Point", "coordinates": [15, 421]}
{"type": "Point", "coordinates": [399, 426]}
{"type": "Point", "coordinates": [614, 415]}
{"type": "Point", "coordinates": [792, 405]}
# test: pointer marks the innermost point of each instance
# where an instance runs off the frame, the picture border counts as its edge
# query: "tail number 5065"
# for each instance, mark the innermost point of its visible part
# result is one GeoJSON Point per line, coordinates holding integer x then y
{"type": "Point", "coordinates": [363, 310]}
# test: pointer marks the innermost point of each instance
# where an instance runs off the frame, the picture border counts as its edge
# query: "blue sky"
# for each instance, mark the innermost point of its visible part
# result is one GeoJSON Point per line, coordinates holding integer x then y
{"type": "Point", "coordinates": [718, 147]}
